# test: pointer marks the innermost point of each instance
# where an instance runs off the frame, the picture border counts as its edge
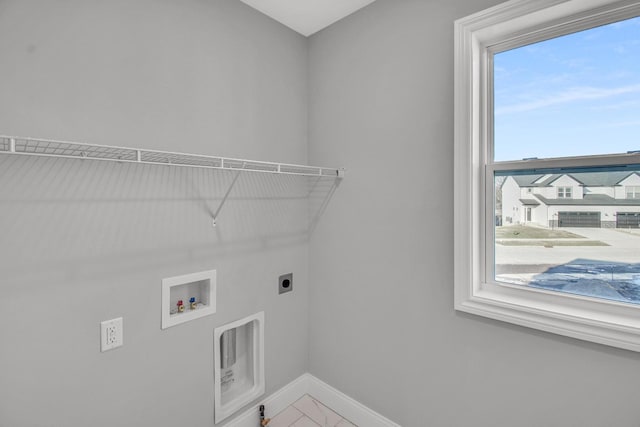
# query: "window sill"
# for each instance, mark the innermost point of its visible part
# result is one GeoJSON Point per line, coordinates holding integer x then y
{"type": "Point", "coordinates": [573, 316]}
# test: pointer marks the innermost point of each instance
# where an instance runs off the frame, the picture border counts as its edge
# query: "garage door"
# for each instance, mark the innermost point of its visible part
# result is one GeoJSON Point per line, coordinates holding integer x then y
{"type": "Point", "coordinates": [628, 220]}
{"type": "Point", "coordinates": [579, 219]}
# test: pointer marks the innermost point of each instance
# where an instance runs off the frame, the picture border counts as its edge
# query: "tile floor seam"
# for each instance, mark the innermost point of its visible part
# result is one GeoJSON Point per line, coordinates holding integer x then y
{"type": "Point", "coordinates": [310, 419]}
{"type": "Point", "coordinates": [310, 411]}
{"type": "Point", "coordinates": [302, 415]}
{"type": "Point", "coordinates": [315, 402]}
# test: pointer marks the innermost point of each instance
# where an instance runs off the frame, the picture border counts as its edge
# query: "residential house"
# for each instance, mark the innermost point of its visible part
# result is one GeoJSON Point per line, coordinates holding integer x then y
{"type": "Point", "coordinates": [582, 199]}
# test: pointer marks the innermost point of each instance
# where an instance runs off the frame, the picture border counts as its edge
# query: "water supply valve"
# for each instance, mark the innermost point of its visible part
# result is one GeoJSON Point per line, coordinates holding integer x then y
{"type": "Point", "coordinates": [263, 421]}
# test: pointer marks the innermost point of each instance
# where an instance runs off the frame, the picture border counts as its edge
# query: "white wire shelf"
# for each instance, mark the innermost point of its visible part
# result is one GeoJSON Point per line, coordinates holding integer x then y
{"type": "Point", "coordinates": [76, 150]}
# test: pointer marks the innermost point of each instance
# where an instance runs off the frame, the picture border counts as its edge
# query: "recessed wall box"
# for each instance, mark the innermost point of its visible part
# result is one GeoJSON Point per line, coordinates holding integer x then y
{"type": "Point", "coordinates": [177, 293]}
{"type": "Point", "coordinates": [238, 364]}
{"type": "Point", "coordinates": [285, 283]}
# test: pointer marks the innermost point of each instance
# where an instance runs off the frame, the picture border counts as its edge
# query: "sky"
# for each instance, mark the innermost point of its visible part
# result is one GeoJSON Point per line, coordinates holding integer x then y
{"type": "Point", "coordinates": [573, 95]}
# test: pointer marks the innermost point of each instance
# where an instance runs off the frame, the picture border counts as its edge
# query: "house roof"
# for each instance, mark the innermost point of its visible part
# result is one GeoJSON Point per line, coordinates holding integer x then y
{"type": "Point", "coordinates": [594, 179]}
{"type": "Point", "coordinates": [527, 180]}
{"type": "Point", "coordinates": [588, 179]}
{"type": "Point", "coordinates": [551, 179]}
{"type": "Point", "coordinates": [590, 200]}
{"type": "Point", "coordinates": [530, 202]}
{"type": "Point", "coordinates": [530, 180]}
{"type": "Point", "coordinates": [633, 173]}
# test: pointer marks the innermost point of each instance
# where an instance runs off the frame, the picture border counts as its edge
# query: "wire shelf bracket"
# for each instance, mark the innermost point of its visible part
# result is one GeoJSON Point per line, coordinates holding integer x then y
{"type": "Point", "coordinates": [224, 199]}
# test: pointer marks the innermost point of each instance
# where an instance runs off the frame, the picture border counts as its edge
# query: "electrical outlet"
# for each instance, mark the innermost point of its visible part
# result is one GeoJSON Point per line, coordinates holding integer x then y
{"type": "Point", "coordinates": [111, 334]}
{"type": "Point", "coordinates": [285, 283]}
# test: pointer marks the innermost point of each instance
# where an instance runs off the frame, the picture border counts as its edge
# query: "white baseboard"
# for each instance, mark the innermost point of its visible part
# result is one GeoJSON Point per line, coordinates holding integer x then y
{"type": "Point", "coordinates": [339, 402]}
{"type": "Point", "coordinates": [346, 406]}
{"type": "Point", "coordinates": [275, 403]}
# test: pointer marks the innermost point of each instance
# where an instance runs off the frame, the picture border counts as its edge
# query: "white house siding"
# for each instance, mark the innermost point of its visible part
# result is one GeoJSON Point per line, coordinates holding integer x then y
{"type": "Point", "coordinates": [620, 190]}
{"type": "Point", "coordinates": [526, 192]}
{"type": "Point", "coordinates": [548, 192]}
{"type": "Point", "coordinates": [564, 181]}
{"type": "Point", "coordinates": [512, 209]}
{"type": "Point", "coordinates": [539, 215]}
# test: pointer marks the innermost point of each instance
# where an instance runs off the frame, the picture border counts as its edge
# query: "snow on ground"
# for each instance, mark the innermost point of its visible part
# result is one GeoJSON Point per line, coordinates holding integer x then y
{"type": "Point", "coordinates": [609, 272]}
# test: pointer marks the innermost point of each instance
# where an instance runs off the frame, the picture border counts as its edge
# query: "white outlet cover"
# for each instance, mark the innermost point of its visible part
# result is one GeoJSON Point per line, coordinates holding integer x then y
{"type": "Point", "coordinates": [111, 334]}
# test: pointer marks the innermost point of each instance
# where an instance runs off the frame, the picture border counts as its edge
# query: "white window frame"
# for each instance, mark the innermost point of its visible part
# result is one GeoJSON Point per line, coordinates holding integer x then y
{"type": "Point", "coordinates": [565, 193]}
{"type": "Point", "coordinates": [633, 190]}
{"type": "Point", "coordinates": [477, 37]}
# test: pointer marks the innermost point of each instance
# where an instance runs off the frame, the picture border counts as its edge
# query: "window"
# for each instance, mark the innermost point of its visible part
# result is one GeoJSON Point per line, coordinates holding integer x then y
{"type": "Point", "coordinates": [633, 191]}
{"type": "Point", "coordinates": [519, 130]}
{"type": "Point", "coordinates": [564, 192]}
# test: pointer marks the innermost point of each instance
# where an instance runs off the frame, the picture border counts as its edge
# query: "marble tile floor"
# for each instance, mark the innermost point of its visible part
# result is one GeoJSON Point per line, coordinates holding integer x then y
{"type": "Point", "coordinates": [309, 412]}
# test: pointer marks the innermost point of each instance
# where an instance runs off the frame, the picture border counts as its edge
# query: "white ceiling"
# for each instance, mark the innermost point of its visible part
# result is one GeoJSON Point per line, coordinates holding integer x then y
{"type": "Point", "coordinates": [307, 16]}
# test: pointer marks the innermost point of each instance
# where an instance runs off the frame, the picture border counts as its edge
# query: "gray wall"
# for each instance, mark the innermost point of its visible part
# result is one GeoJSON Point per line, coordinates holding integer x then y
{"type": "Point", "coordinates": [85, 241]}
{"type": "Point", "coordinates": [382, 323]}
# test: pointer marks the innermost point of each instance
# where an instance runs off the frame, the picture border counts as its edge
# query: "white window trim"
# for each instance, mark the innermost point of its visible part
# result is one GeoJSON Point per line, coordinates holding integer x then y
{"type": "Point", "coordinates": [567, 193]}
{"type": "Point", "coordinates": [512, 24]}
{"type": "Point", "coordinates": [634, 190]}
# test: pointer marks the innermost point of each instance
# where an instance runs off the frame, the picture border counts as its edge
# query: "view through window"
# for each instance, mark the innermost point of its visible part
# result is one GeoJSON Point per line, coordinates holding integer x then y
{"type": "Point", "coordinates": [569, 229]}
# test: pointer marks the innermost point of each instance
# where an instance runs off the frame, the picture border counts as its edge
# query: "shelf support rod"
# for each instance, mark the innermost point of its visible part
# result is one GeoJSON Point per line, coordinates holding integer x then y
{"type": "Point", "coordinates": [224, 199]}
{"type": "Point", "coordinates": [12, 145]}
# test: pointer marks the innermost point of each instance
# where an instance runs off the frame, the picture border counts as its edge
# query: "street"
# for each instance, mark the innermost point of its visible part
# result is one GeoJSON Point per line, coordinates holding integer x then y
{"type": "Point", "coordinates": [611, 272]}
